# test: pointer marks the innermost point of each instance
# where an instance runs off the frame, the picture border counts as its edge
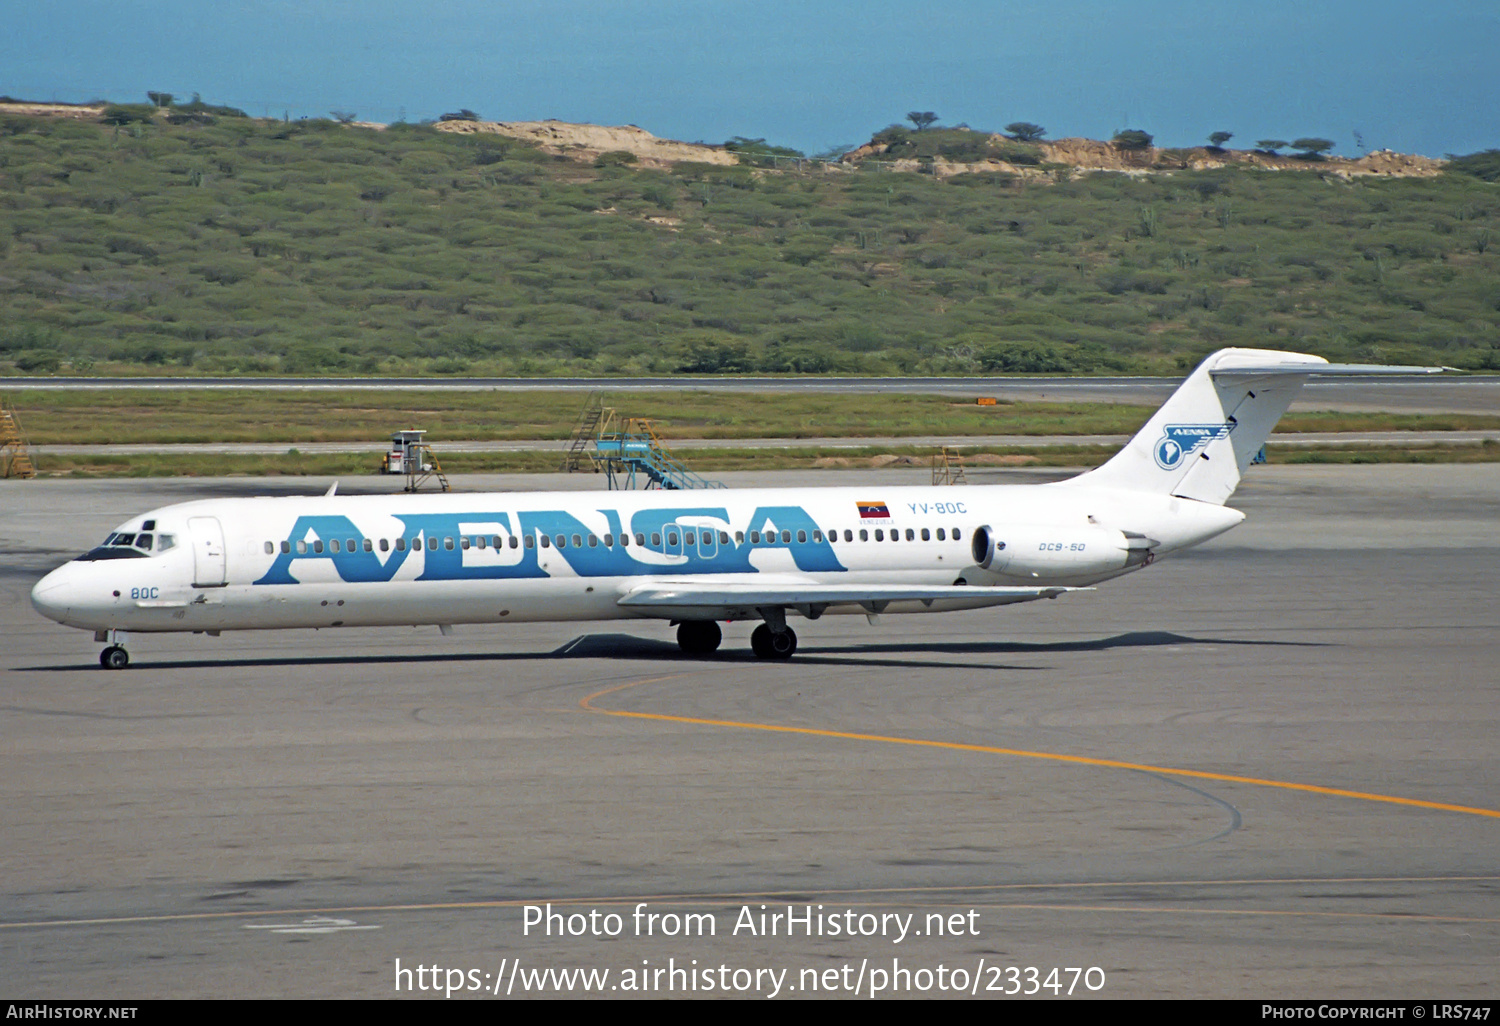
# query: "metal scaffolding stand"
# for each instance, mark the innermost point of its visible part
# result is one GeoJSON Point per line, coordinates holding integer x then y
{"type": "Point", "coordinates": [631, 455]}
{"type": "Point", "coordinates": [948, 467]}
{"type": "Point", "coordinates": [413, 457]}
{"type": "Point", "coordinates": [15, 451]}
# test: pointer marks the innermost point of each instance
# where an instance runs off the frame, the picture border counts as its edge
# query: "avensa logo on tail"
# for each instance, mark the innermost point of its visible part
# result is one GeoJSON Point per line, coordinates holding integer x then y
{"type": "Point", "coordinates": [1182, 440]}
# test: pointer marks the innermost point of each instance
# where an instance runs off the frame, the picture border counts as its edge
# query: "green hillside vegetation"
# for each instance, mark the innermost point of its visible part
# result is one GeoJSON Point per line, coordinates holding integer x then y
{"type": "Point", "coordinates": [223, 244]}
{"type": "Point", "coordinates": [143, 416]}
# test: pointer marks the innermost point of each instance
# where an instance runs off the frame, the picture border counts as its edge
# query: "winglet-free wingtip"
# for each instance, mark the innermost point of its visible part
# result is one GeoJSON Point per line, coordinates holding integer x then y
{"type": "Point", "coordinates": [332, 490]}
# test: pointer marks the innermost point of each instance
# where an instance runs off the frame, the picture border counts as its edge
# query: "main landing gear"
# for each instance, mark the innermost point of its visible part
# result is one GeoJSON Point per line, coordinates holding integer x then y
{"type": "Point", "coordinates": [771, 640]}
{"type": "Point", "coordinates": [769, 643]}
{"type": "Point", "coordinates": [114, 657]}
{"type": "Point", "coordinates": [698, 637]}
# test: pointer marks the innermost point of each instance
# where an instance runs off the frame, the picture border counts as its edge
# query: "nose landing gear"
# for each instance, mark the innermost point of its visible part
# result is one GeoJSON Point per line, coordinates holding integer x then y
{"type": "Point", "coordinates": [114, 657]}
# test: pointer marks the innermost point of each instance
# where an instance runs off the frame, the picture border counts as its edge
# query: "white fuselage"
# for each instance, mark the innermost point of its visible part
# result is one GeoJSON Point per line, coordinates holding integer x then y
{"type": "Point", "coordinates": [333, 561]}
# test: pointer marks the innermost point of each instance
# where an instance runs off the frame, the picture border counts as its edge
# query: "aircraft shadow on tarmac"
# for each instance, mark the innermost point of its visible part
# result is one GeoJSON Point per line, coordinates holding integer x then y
{"type": "Point", "coordinates": [630, 647]}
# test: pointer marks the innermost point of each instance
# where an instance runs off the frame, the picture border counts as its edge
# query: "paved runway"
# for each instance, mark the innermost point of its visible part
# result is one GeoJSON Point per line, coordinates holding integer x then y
{"type": "Point", "coordinates": [1308, 439]}
{"type": "Point", "coordinates": [1451, 393]}
{"type": "Point", "coordinates": [1267, 768]}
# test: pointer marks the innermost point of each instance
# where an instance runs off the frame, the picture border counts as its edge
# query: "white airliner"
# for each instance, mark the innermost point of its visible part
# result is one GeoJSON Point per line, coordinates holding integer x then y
{"type": "Point", "coordinates": [693, 558]}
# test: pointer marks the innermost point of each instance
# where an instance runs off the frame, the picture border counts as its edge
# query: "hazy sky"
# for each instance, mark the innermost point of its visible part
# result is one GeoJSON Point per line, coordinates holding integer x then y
{"type": "Point", "coordinates": [1415, 77]}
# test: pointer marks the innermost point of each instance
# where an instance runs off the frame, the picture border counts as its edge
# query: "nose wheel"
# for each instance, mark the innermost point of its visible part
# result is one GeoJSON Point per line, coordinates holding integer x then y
{"type": "Point", "coordinates": [114, 658]}
{"type": "Point", "coordinates": [768, 643]}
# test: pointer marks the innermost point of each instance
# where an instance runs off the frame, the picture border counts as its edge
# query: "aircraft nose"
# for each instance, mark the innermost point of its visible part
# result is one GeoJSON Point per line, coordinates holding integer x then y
{"type": "Point", "coordinates": [51, 595]}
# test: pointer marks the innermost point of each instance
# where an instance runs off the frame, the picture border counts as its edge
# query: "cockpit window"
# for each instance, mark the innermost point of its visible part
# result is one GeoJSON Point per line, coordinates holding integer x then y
{"type": "Point", "coordinates": [130, 545]}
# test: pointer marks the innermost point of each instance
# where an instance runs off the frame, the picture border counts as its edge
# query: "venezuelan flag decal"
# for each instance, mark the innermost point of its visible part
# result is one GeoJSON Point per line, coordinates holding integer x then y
{"type": "Point", "coordinates": [873, 511]}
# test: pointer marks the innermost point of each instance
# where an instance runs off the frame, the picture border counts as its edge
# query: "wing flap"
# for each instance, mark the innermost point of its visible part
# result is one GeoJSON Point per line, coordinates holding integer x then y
{"type": "Point", "coordinates": [722, 600]}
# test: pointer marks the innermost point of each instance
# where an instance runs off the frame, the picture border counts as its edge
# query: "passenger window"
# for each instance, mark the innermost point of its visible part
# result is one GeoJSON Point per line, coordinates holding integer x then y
{"type": "Point", "coordinates": [270, 548]}
{"type": "Point", "coordinates": [655, 538]}
{"type": "Point", "coordinates": [609, 541]}
{"type": "Point", "coordinates": [333, 545]}
{"type": "Point", "coordinates": [723, 537]}
{"type": "Point", "coordinates": [754, 537]}
{"type": "Point", "coordinates": [578, 541]}
{"type": "Point", "coordinates": [739, 537]}
{"type": "Point", "coordinates": [941, 535]}
{"type": "Point", "coordinates": [513, 541]}
{"type": "Point", "coordinates": [369, 546]}
{"type": "Point", "coordinates": [285, 546]}
{"type": "Point", "coordinates": [385, 545]}
{"type": "Point", "coordinates": [531, 542]}
{"type": "Point", "coordinates": [480, 541]}
{"type": "Point", "coordinates": [302, 548]}
{"type": "Point", "coordinates": [786, 537]}
{"type": "Point", "coordinates": [817, 536]}
{"type": "Point", "coordinates": [910, 535]}
{"type": "Point", "coordinates": [864, 535]}
{"type": "Point", "coordinates": [879, 534]}
{"type": "Point", "coordinates": [956, 536]}
{"type": "Point", "coordinates": [925, 535]}
{"type": "Point", "coordinates": [801, 537]}
{"type": "Point", "coordinates": [318, 545]}
{"type": "Point", "coordinates": [546, 542]}
{"type": "Point", "coordinates": [640, 538]}
{"type": "Point", "coordinates": [400, 544]}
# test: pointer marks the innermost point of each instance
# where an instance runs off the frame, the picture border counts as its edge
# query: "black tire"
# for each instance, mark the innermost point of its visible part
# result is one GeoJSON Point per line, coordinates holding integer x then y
{"type": "Point", "coordinates": [114, 658]}
{"type": "Point", "coordinates": [698, 637]}
{"type": "Point", "coordinates": [769, 644]}
{"type": "Point", "coordinates": [760, 642]}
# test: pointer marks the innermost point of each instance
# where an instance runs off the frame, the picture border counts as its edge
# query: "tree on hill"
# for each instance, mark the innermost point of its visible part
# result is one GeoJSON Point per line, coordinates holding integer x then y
{"type": "Point", "coordinates": [126, 113]}
{"type": "Point", "coordinates": [922, 118]}
{"type": "Point", "coordinates": [1218, 139]}
{"type": "Point", "coordinates": [1132, 139]}
{"type": "Point", "coordinates": [462, 114]}
{"type": "Point", "coordinates": [1484, 165]}
{"type": "Point", "coordinates": [1272, 145]}
{"type": "Point", "coordinates": [343, 117]}
{"type": "Point", "coordinates": [1025, 131]}
{"type": "Point", "coordinates": [1312, 149]}
{"type": "Point", "coordinates": [160, 99]}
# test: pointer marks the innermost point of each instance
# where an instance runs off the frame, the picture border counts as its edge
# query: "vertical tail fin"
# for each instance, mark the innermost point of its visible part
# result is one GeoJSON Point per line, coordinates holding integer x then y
{"type": "Point", "coordinates": [1202, 439]}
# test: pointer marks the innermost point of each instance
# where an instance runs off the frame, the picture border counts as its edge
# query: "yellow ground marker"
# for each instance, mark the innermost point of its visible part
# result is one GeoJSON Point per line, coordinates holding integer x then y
{"type": "Point", "coordinates": [586, 703]}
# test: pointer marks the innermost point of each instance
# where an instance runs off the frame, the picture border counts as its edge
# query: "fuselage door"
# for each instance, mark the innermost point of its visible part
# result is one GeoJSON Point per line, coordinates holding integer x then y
{"type": "Point", "coordinates": [208, 552]}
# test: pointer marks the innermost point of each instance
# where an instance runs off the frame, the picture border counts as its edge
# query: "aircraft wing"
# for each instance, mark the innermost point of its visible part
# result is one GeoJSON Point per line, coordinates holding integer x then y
{"type": "Point", "coordinates": [721, 600]}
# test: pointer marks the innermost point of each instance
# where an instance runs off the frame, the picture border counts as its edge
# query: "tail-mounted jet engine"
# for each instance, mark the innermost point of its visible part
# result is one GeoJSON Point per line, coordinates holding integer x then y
{"type": "Point", "coordinates": [1041, 552]}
